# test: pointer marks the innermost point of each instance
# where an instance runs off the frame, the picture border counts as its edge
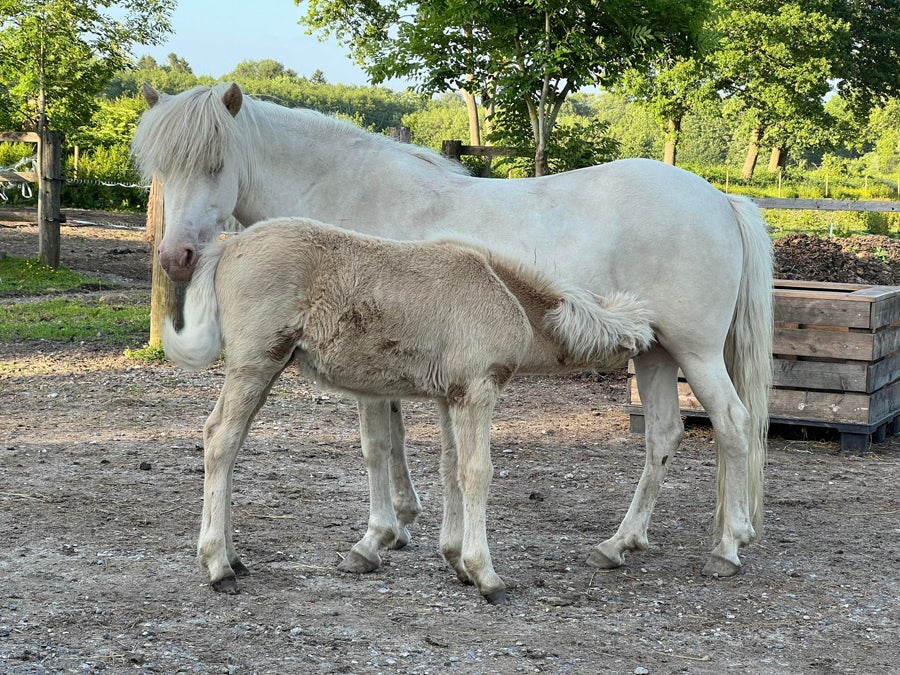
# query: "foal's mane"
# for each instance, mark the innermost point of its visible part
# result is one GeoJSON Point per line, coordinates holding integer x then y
{"type": "Point", "coordinates": [193, 131]}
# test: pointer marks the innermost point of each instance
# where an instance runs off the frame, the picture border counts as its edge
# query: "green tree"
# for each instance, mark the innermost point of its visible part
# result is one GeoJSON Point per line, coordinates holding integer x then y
{"type": "Point", "coordinates": [776, 59]}
{"type": "Point", "coordinates": [57, 55]}
{"type": "Point", "coordinates": [525, 56]}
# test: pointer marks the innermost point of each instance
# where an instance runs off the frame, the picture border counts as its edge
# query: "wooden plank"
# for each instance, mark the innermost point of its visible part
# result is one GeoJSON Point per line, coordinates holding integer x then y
{"type": "Point", "coordinates": [833, 407]}
{"type": "Point", "coordinates": [18, 176]}
{"type": "Point", "coordinates": [19, 136]}
{"type": "Point", "coordinates": [825, 204]}
{"type": "Point", "coordinates": [835, 376]}
{"type": "Point", "coordinates": [802, 284]}
{"type": "Point", "coordinates": [848, 345]}
{"type": "Point", "coordinates": [489, 151]}
{"type": "Point", "coordinates": [883, 373]}
{"type": "Point", "coordinates": [823, 310]}
{"type": "Point", "coordinates": [885, 403]}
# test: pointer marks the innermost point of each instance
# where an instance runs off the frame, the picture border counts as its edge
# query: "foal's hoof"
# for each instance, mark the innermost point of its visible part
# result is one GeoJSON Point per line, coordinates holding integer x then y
{"type": "Point", "coordinates": [717, 566]}
{"type": "Point", "coordinates": [240, 569]}
{"type": "Point", "coordinates": [498, 597]}
{"type": "Point", "coordinates": [355, 563]}
{"type": "Point", "coordinates": [228, 585]}
{"type": "Point", "coordinates": [605, 561]}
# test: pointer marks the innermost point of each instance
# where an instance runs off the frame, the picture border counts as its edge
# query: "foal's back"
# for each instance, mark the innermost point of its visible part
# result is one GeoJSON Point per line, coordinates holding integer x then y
{"type": "Point", "coordinates": [366, 315]}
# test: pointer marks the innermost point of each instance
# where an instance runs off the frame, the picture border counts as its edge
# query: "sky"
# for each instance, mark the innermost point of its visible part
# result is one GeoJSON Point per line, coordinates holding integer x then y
{"type": "Point", "coordinates": [213, 36]}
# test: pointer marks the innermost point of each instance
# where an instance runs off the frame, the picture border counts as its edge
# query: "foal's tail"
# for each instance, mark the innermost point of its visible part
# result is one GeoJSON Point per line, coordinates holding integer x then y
{"type": "Point", "coordinates": [200, 339]}
{"type": "Point", "coordinates": [748, 351]}
{"type": "Point", "coordinates": [600, 331]}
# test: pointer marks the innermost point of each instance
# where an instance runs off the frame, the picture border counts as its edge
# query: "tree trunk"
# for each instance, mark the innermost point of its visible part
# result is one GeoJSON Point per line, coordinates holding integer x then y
{"type": "Point", "coordinates": [541, 165]}
{"type": "Point", "coordinates": [752, 154]}
{"type": "Point", "coordinates": [672, 136]}
{"type": "Point", "coordinates": [474, 122]}
{"type": "Point", "coordinates": [778, 159]}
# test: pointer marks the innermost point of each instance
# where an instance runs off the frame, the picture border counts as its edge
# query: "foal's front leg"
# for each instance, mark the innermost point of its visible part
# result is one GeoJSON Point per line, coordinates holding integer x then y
{"type": "Point", "coordinates": [226, 428]}
{"type": "Point", "coordinates": [471, 420]}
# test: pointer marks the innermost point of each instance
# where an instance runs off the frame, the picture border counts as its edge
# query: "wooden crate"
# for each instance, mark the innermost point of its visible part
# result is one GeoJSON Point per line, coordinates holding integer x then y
{"type": "Point", "coordinates": [836, 361]}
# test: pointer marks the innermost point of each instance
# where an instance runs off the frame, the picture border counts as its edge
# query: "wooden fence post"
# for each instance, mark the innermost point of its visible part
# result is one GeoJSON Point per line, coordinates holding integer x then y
{"type": "Point", "coordinates": [401, 134]}
{"type": "Point", "coordinates": [50, 181]}
{"type": "Point", "coordinates": [164, 293]}
{"type": "Point", "coordinates": [451, 149]}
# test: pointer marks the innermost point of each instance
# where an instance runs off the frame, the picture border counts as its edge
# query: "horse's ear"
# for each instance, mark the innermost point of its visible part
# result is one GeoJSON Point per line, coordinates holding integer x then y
{"type": "Point", "coordinates": [151, 96]}
{"type": "Point", "coordinates": [233, 99]}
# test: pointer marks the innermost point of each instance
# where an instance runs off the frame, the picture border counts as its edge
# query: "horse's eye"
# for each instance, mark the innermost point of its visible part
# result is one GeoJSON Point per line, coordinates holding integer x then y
{"type": "Point", "coordinates": [215, 170]}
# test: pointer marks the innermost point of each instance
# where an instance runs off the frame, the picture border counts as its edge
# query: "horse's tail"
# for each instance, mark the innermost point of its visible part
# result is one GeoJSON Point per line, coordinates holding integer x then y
{"type": "Point", "coordinates": [600, 330]}
{"type": "Point", "coordinates": [748, 351]}
{"type": "Point", "coordinates": [200, 340]}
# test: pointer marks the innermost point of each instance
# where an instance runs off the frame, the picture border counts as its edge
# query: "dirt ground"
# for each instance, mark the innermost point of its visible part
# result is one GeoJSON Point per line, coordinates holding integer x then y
{"type": "Point", "coordinates": [100, 496]}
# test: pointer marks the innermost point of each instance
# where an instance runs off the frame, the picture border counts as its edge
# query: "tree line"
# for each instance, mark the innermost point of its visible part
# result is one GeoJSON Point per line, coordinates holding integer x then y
{"type": "Point", "coordinates": [707, 84]}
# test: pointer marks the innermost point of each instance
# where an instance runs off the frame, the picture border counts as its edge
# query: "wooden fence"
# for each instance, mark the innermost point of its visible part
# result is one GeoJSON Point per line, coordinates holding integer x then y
{"type": "Point", "coordinates": [49, 178]}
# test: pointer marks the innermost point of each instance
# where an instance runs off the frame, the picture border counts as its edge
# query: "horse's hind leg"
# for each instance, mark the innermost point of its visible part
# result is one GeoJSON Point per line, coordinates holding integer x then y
{"type": "Point", "coordinates": [712, 386]}
{"type": "Point", "coordinates": [657, 376]}
{"type": "Point", "coordinates": [403, 495]}
{"type": "Point", "coordinates": [383, 530]}
{"type": "Point", "coordinates": [243, 393]}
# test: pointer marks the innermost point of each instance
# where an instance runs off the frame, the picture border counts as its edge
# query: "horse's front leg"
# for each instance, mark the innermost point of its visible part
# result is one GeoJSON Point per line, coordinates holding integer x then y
{"type": "Point", "coordinates": [657, 376]}
{"type": "Point", "coordinates": [403, 495]}
{"type": "Point", "coordinates": [226, 428]}
{"type": "Point", "coordinates": [471, 419]}
{"type": "Point", "coordinates": [383, 529]}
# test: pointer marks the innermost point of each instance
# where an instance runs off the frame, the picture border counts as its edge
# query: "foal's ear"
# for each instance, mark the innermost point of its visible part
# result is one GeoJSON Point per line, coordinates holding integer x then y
{"type": "Point", "coordinates": [151, 96]}
{"type": "Point", "coordinates": [233, 99]}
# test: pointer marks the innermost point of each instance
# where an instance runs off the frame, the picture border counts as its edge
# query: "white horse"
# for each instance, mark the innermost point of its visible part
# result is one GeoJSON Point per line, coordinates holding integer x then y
{"type": "Point", "coordinates": [702, 261]}
{"type": "Point", "coordinates": [380, 318]}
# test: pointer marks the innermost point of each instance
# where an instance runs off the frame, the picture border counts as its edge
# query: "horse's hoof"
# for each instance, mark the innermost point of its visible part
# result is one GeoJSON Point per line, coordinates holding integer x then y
{"type": "Point", "coordinates": [240, 569]}
{"type": "Point", "coordinates": [402, 539]}
{"type": "Point", "coordinates": [717, 566]}
{"type": "Point", "coordinates": [228, 585]}
{"type": "Point", "coordinates": [605, 561]}
{"type": "Point", "coordinates": [498, 597]}
{"type": "Point", "coordinates": [356, 563]}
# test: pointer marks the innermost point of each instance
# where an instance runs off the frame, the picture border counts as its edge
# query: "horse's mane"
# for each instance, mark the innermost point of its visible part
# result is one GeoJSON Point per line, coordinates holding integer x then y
{"type": "Point", "coordinates": [199, 134]}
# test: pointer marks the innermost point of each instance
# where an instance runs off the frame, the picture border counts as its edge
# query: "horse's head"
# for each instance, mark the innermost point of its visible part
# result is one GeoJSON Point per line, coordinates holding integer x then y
{"type": "Point", "coordinates": [190, 141]}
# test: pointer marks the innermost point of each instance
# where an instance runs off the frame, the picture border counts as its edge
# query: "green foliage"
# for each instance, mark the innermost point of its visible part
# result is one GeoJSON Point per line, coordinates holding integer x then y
{"type": "Point", "coordinates": [832, 223]}
{"type": "Point", "coordinates": [57, 55]}
{"type": "Point", "coordinates": [29, 277]}
{"type": "Point", "coordinates": [442, 118]}
{"type": "Point", "coordinates": [67, 319]}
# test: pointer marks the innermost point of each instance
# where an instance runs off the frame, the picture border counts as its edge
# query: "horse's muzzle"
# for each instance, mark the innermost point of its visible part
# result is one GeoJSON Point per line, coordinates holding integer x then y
{"type": "Point", "coordinates": [178, 266]}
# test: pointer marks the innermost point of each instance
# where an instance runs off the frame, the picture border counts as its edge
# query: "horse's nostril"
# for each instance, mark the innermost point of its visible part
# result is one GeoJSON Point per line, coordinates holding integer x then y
{"type": "Point", "coordinates": [188, 257]}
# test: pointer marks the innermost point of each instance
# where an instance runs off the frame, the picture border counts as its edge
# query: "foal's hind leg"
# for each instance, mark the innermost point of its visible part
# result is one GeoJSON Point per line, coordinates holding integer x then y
{"type": "Point", "coordinates": [403, 494]}
{"type": "Point", "coordinates": [376, 437]}
{"type": "Point", "coordinates": [243, 393]}
{"type": "Point", "coordinates": [657, 376]}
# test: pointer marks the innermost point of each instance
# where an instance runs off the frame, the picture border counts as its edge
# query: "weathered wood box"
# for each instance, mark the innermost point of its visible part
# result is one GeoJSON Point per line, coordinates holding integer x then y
{"type": "Point", "coordinates": [836, 361]}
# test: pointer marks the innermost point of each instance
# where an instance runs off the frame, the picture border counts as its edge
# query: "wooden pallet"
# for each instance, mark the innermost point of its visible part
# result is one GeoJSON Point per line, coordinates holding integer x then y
{"type": "Point", "coordinates": [836, 362]}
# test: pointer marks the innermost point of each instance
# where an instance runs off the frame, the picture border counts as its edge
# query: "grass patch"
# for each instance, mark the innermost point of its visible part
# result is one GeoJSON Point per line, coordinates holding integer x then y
{"type": "Point", "coordinates": [147, 354]}
{"type": "Point", "coordinates": [69, 320]}
{"type": "Point", "coordinates": [29, 277]}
